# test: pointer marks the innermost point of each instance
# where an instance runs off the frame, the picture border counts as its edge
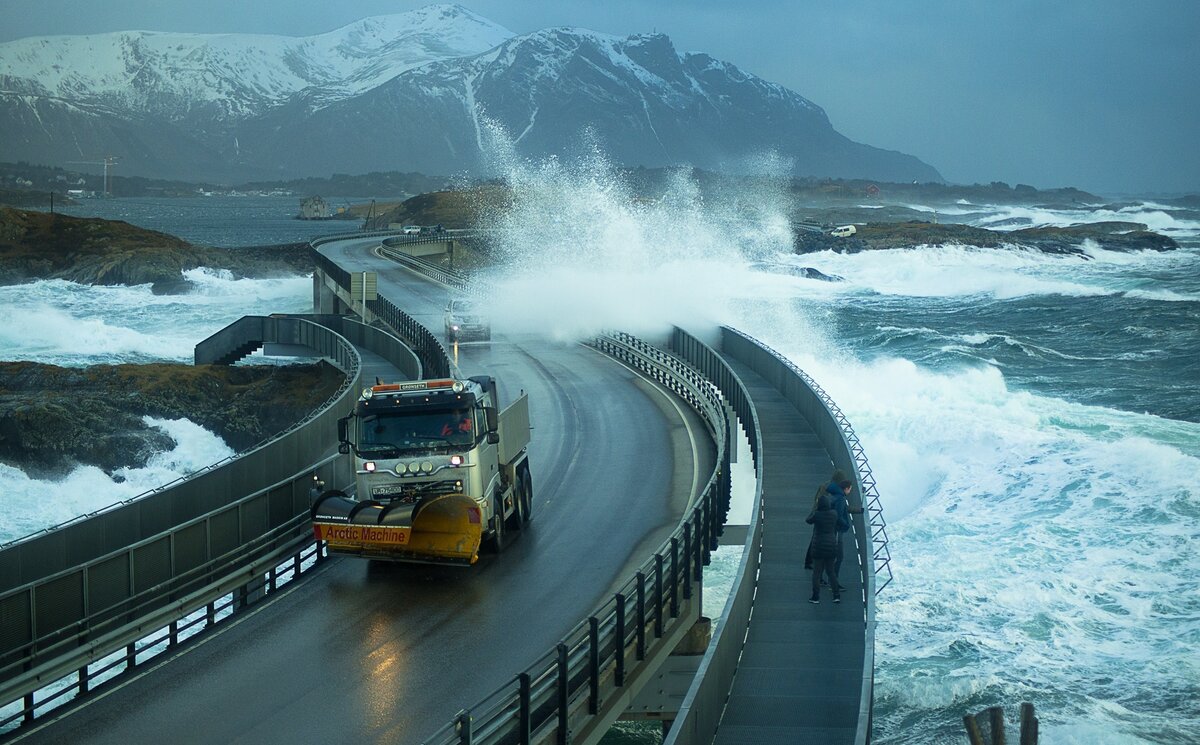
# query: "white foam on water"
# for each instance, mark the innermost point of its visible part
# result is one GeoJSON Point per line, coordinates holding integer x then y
{"type": "Point", "coordinates": [1155, 217]}
{"type": "Point", "coordinates": [951, 271]}
{"type": "Point", "coordinates": [1039, 545]}
{"type": "Point", "coordinates": [32, 504]}
{"type": "Point", "coordinates": [64, 323]}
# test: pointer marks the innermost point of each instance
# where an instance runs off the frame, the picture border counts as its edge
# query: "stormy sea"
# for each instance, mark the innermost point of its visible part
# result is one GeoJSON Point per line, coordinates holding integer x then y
{"type": "Point", "coordinates": [1032, 419]}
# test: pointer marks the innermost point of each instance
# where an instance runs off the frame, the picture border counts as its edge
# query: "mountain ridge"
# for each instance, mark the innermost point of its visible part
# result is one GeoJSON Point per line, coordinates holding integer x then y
{"type": "Point", "coordinates": [409, 92]}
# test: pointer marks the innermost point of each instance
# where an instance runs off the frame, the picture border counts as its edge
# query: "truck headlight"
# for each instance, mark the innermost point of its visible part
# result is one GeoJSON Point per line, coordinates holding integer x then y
{"type": "Point", "coordinates": [427, 467]}
{"type": "Point", "coordinates": [369, 466]}
{"type": "Point", "coordinates": [401, 468]}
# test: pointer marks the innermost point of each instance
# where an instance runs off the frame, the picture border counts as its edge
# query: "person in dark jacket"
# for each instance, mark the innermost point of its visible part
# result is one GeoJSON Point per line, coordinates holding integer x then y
{"type": "Point", "coordinates": [827, 525]}
{"type": "Point", "coordinates": [838, 490]}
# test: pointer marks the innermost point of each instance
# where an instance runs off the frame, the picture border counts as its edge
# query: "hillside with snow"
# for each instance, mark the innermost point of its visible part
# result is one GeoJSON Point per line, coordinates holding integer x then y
{"type": "Point", "coordinates": [409, 91]}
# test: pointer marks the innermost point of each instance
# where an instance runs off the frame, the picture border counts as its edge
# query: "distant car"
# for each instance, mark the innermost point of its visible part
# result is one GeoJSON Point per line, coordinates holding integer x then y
{"type": "Point", "coordinates": [466, 320]}
{"type": "Point", "coordinates": [412, 229]}
{"type": "Point", "coordinates": [844, 231]}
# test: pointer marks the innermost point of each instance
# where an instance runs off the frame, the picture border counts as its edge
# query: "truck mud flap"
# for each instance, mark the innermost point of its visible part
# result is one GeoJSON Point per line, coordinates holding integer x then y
{"type": "Point", "coordinates": [438, 529]}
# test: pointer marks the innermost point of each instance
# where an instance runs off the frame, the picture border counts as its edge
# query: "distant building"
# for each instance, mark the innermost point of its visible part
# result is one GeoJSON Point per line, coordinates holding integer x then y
{"type": "Point", "coordinates": [313, 208]}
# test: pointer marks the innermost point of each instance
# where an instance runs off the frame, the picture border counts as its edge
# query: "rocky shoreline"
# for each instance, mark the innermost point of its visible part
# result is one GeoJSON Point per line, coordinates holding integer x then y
{"type": "Point", "coordinates": [54, 418]}
{"type": "Point", "coordinates": [40, 245]}
{"type": "Point", "coordinates": [1113, 236]}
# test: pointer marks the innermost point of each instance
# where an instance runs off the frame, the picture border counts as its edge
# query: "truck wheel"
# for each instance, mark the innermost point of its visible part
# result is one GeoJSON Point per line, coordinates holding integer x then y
{"type": "Point", "coordinates": [526, 496]}
{"type": "Point", "coordinates": [520, 515]}
{"type": "Point", "coordinates": [498, 523]}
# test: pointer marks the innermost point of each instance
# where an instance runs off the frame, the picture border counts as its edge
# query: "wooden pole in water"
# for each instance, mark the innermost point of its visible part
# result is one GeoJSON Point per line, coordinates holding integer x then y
{"type": "Point", "coordinates": [996, 715]}
{"type": "Point", "coordinates": [1029, 725]}
{"type": "Point", "coordinates": [974, 736]}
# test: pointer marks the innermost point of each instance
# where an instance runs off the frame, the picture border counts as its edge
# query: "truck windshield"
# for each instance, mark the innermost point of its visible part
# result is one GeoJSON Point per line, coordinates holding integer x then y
{"type": "Point", "coordinates": [388, 435]}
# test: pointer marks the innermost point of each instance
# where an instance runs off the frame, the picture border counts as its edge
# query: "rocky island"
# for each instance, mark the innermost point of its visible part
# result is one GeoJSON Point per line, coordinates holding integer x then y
{"type": "Point", "coordinates": [40, 245]}
{"type": "Point", "coordinates": [1113, 236]}
{"type": "Point", "coordinates": [53, 418]}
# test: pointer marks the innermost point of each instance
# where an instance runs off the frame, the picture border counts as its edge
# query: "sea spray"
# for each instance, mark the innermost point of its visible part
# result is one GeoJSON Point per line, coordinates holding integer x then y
{"type": "Point", "coordinates": [33, 504]}
{"type": "Point", "coordinates": [580, 252]}
{"type": "Point", "coordinates": [1044, 547]}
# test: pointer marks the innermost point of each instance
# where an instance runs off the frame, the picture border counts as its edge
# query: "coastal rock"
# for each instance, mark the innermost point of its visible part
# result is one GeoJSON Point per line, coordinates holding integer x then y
{"type": "Point", "coordinates": [1114, 236]}
{"type": "Point", "coordinates": [39, 245]}
{"type": "Point", "coordinates": [53, 418]}
{"type": "Point", "coordinates": [804, 272]}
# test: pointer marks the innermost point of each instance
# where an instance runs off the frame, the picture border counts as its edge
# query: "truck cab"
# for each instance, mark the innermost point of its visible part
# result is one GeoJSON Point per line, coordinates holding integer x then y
{"type": "Point", "coordinates": [437, 467]}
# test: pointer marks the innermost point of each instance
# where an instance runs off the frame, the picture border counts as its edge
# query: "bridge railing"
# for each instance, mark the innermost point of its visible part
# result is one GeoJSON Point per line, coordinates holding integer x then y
{"type": "Point", "coordinates": [700, 712]}
{"type": "Point", "coordinates": [428, 268]}
{"type": "Point", "coordinates": [580, 684]}
{"type": "Point", "coordinates": [72, 595]}
{"type": "Point", "coordinates": [699, 715]}
{"type": "Point", "coordinates": [435, 362]}
{"type": "Point", "coordinates": [583, 683]}
{"type": "Point", "coordinates": [834, 431]}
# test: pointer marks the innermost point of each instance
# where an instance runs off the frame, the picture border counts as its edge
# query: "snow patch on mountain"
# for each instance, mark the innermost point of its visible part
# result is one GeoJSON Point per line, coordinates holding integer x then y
{"type": "Point", "coordinates": [241, 74]}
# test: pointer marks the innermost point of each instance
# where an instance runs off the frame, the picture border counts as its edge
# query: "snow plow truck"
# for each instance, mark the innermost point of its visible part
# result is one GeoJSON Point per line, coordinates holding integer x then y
{"type": "Point", "coordinates": [439, 470]}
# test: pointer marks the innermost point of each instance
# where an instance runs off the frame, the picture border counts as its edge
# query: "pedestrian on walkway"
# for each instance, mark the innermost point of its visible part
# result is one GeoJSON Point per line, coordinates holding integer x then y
{"type": "Point", "coordinates": [827, 525]}
{"type": "Point", "coordinates": [836, 495]}
{"type": "Point", "coordinates": [838, 490]}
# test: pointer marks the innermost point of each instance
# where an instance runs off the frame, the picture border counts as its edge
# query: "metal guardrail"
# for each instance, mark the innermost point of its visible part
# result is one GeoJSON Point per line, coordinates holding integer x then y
{"type": "Point", "coordinates": [510, 711]}
{"type": "Point", "coordinates": [562, 692]}
{"type": "Point", "coordinates": [702, 706]}
{"type": "Point", "coordinates": [435, 362]}
{"type": "Point", "coordinates": [76, 594]}
{"type": "Point", "coordinates": [700, 712]}
{"type": "Point", "coordinates": [838, 436]}
{"type": "Point", "coordinates": [838, 439]}
{"type": "Point", "coordinates": [606, 653]}
{"type": "Point", "coordinates": [575, 687]}
{"type": "Point", "coordinates": [429, 269]}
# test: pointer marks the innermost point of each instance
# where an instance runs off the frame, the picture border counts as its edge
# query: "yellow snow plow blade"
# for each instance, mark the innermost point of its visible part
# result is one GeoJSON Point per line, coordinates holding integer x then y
{"type": "Point", "coordinates": [447, 527]}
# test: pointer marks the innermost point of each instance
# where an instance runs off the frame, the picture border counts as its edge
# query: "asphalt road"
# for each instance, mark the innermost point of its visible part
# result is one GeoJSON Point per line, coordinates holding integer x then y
{"type": "Point", "coordinates": [369, 652]}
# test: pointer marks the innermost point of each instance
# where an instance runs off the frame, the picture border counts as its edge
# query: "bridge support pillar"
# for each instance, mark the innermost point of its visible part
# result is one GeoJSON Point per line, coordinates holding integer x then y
{"type": "Point", "coordinates": [660, 697]}
{"type": "Point", "coordinates": [325, 298]}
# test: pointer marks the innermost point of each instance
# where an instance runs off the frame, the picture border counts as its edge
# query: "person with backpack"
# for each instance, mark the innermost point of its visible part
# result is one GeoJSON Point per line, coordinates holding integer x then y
{"type": "Point", "coordinates": [827, 524]}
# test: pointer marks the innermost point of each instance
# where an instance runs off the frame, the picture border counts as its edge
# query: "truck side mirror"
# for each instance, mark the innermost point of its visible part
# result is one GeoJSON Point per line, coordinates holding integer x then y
{"type": "Point", "coordinates": [344, 448]}
{"type": "Point", "coordinates": [343, 428]}
{"type": "Point", "coordinates": [493, 419]}
{"type": "Point", "coordinates": [493, 438]}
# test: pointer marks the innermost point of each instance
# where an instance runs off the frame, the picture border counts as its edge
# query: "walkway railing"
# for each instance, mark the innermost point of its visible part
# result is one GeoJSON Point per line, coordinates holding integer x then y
{"type": "Point", "coordinates": [700, 713]}
{"type": "Point", "coordinates": [836, 434]}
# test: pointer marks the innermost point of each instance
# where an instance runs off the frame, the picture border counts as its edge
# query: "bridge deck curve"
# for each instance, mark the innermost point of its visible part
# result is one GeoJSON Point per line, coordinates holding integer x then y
{"type": "Point", "coordinates": [799, 679]}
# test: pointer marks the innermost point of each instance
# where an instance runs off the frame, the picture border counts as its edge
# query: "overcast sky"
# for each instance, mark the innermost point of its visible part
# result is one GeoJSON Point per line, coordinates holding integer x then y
{"type": "Point", "coordinates": [1099, 94]}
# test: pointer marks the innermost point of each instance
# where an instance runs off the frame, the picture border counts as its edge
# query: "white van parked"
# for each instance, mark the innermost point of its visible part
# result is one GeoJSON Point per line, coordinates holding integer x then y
{"type": "Point", "coordinates": [844, 231]}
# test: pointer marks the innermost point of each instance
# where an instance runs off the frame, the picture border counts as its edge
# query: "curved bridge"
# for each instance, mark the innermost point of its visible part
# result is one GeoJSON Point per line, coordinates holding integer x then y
{"type": "Point", "coordinates": [89, 614]}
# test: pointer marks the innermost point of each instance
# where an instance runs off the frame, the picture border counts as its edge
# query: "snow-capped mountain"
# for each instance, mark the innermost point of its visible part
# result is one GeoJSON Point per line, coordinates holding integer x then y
{"type": "Point", "coordinates": [402, 92]}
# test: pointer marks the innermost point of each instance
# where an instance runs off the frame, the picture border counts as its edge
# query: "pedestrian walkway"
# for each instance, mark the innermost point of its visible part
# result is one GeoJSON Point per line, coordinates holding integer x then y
{"type": "Point", "coordinates": [800, 676]}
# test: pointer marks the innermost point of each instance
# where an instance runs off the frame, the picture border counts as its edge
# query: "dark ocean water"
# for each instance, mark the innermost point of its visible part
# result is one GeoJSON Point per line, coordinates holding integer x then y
{"type": "Point", "coordinates": [219, 221]}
